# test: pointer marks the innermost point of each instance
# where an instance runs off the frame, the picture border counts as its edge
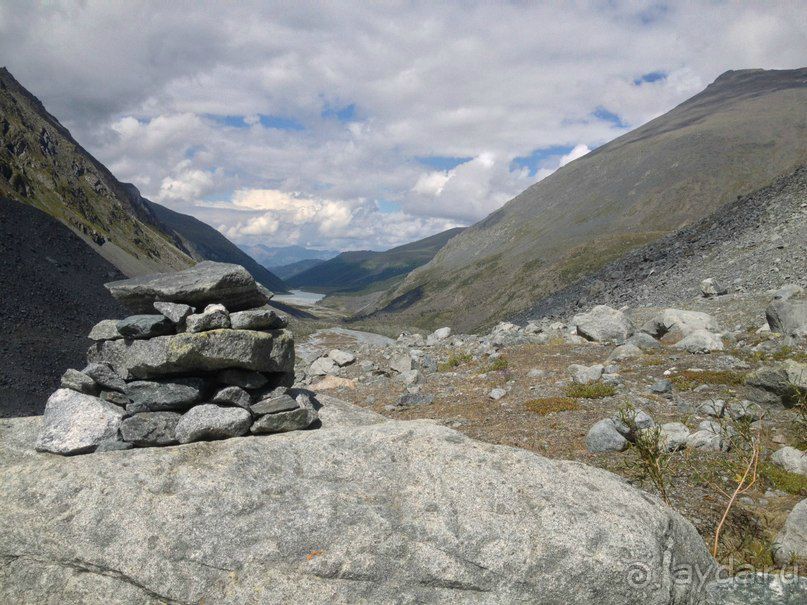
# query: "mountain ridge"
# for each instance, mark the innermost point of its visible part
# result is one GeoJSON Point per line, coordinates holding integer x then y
{"type": "Point", "coordinates": [739, 134]}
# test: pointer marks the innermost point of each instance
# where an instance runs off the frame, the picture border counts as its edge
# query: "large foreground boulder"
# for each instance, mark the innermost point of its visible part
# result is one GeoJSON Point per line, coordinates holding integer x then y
{"type": "Point", "coordinates": [791, 543]}
{"type": "Point", "coordinates": [788, 317]}
{"type": "Point", "coordinates": [203, 284]}
{"type": "Point", "coordinates": [361, 510]}
{"type": "Point", "coordinates": [603, 324]}
{"type": "Point", "coordinates": [270, 351]}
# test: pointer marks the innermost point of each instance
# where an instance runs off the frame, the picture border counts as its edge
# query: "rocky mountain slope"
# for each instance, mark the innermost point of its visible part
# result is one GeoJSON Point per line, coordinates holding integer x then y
{"type": "Point", "coordinates": [365, 269]}
{"type": "Point", "coordinates": [52, 294]}
{"type": "Point", "coordinates": [742, 132]}
{"type": "Point", "coordinates": [752, 244]}
{"type": "Point", "coordinates": [43, 166]}
{"type": "Point", "coordinates": [292, 269]}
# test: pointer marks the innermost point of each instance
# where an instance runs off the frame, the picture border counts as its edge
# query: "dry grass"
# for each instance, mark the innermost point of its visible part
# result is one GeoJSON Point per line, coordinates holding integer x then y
{"type": "Point", "coordinates": [550, 405]}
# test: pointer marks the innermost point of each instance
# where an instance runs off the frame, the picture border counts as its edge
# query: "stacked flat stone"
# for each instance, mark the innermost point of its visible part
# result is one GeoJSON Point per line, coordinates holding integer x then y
{"type": "Point", "coordinates": [180, 374]}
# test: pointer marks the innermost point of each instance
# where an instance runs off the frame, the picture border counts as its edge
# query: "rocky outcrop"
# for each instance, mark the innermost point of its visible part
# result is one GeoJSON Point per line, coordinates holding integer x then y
{"type": "Point", "coordinates": [788, 316]}
{"type": "Point", "coordinates": [603, 324]}
{"type": "Point", "coordinates": [361, 510]}
{"type": "Point", "coordinates": [206, 283]}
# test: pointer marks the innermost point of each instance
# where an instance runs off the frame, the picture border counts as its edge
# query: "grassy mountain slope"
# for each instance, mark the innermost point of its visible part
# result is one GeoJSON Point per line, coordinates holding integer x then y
{"type": "Point", "coordinates": [43, 166]}
{"type": "Point", "coordinates": [204, 242]}
{"type": "Point", "coordinates": [738, 135]}
{"type": "Point", "coordinates": [365, 269]}
{"type": "Point", "coordinates": [292, 269]}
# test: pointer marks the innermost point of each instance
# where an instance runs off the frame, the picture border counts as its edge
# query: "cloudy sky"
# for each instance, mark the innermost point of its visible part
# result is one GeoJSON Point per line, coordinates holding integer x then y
{"type": "Point", "coordinates": [369, 124]}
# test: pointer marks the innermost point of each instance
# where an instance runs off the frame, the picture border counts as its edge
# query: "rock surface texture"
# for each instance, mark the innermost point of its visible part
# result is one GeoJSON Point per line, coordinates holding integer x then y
{"type": "Point", "coordinates": [161, 379]}
{"type": "Point", "coordinates": [362, 510]}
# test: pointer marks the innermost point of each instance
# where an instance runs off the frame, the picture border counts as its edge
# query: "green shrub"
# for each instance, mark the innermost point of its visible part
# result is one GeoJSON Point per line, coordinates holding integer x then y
{"type": "Point", "coordinates": [595, 390]}
{"type": "Point", "coordinates": [453, 362]}
{"type": "Point", "coordinates": [549, 405]}
{"type": "Point", "coordinates": [792, 483]}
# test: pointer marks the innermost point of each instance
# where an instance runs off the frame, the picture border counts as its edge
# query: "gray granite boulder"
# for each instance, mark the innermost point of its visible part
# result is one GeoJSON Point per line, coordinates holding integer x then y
{"type": "Point", "coordinates": [603, 437]}
{"type": "Point", "coordinates": [585, 374]}
{"type": "Point", "coordinates": [208, 421]}
{"type": "Point", "coordinates": [79, 382]}
{"type": "Point", "coordinates": [710, 287]}
{"type": "Point", "coordinates": [150, 428]}
{"type": "Point", "coordinates": [75, 423]}
{"type": "Point", "coordinates": [271, 351]}
{"type": "Point", "coordinates": [105, 377]}
{"type": "Point", "coordinates": [145, 326]}
{"type": "Point", "coordinates": [368, 511]}
{"type": "Point", "coordinates": [674, 436]}
{"type": "Point", "coordinates": [257, 319]}
{"type": "Point", "coordinates": [700, 341]}
{"type": "Point", "coordinates": [603, 324]}
{"type": "Point", "coordinates": [791, 543]}
{"type": "Point", "coordinates": [788, 317]}
{"type": "Point", "coordinates": [679, 322]}
{"type": "Point", "coordinates": [163, 395]}
{"type": "Point", "coordinates": [791, 459]}
{"type": "Point", "coordinates": [205, 283]}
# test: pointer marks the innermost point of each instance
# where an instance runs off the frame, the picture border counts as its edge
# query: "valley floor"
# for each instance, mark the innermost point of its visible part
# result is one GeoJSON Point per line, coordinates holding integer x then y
{"type": "Point", "coordinates": [540, 413]}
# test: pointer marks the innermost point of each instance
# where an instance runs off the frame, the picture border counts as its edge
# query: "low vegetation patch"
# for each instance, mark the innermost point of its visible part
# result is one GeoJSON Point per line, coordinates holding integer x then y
{"type": "Point", "coordinates": [782, 354]}
{"type": "Point", "coordinates": [686, 380]}
{"type": "Point", "coordinates": [498, 365]}
{"type": "Point", "coordinates": [453, 362]}
{"type": "Point", "coordinates": [595, 390]}
{"type": "Point", "coordinates": [779, 478]}
{"type": "Point", "coordinates": [550, 405]}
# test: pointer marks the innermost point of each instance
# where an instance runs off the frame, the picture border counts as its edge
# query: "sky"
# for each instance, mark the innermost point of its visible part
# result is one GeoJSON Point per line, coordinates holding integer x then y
{"type": "Point", "coordinates": [365, 125]}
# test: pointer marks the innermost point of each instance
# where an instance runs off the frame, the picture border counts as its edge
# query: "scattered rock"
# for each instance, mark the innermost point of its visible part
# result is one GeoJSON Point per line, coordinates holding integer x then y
{"type": "Point", "coordinates": [145, 326]}
{"type": "Point", "coordinates": [75, 423]}
{"type": "Point", "coordinates": [674, 435]}
{"type": "Point", "coordinates": [792, 540]}
{"type": "Point", "coordinates": [208, 421]}
{"type": "Point", "coordinates": [205, 283]}
{"type": "Point", "coordinates": [536, 373]}
{"type": "Point", "coordinates": [745, 410]}
{"type": "Point", "coordinates": [662, 386]}
{"type": "Point", "coordinates": [626, 351]}
{"type": "Point", "coordinates": [401, 362]}
{"type": "Point", "coordinates": [116, 398]}
{"type": "Point", "coordinates": [245, 379]}
{"type": "Point", "coordinates": [700, 341]}
{"type": "Point", "coordinates": [604, 437]}
{"type": "Point", "coordinates": [788, 291]}
{"type": "Point", "coordinates": [604, 324]}
{"type": "Point", "coordinates": [710, 288]}
{"type": "Point", "coordinates": [780, 384]}
{"type": "Point", "coordinates": [788, 317]}
{"type": "Point", "coordinates": [639, 421]}
{"type": "Point", "coordinates": [411, 377]}
{"type": "Point", "coordinates": [411, 399]}
{"type": "Point", "coordinates": [282, 422]}
{"type": "Point", "coordinates": [150, 428]}
{"type": "Point", "coordinates": [585, 374]}
{"type": "Point", "coordinates": [438, 335]}
{"type": "Point", "coordinates": [328, 383]}
{"type": "Point", "coordinates": [714, 407]}
{"type": "Point", "coordinates": [644, 341]}
{"type": "Point", "coordinates": [341, 358]}
{"type": "Point", "coordinates": [706, 439]}
{"type": "Point", "coordinates": [497, 394]}
{"type": "Point", "coordinates": [680, 322]}
{"type": "Point", "coordinates": [791, 459]}
{"type": "Point", "coordinates": [323, 366]}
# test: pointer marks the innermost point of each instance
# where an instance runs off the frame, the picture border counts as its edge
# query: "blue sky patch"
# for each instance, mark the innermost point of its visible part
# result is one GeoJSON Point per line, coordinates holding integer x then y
{"type": "Point", "coordinates": [544, 157]}
{"type": "Point", "coordinates": [442, 162]}
{"type": "Point", "coordinates": [343, 114]}
{"type": "Point", "coordinates": [653, 76]}
{"type": "Point", "coordinates": [601, 113]}
{"type": "Point", "coordinates": [267, 121]}
{"type": "Point", "coordinates": [387, 207]}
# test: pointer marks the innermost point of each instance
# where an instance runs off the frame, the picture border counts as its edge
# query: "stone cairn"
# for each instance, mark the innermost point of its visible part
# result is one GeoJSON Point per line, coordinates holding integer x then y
{"type": "Point", "coordinates": [178, 375]}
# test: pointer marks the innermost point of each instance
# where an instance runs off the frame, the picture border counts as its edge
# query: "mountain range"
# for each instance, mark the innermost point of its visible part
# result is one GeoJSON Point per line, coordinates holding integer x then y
{"type": "Point", "coordinates": [743, 131]}
{"type": "Point", "coordinates": [43, 166]}
{"type": "Point", "coordinates": [364, 270]}
{"type": "Point", "coordinates": [274, 257]}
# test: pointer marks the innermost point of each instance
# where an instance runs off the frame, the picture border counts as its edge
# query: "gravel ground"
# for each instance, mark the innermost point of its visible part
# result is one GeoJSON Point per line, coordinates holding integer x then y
{"type": "Point", "coordinates": [52, 294]}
